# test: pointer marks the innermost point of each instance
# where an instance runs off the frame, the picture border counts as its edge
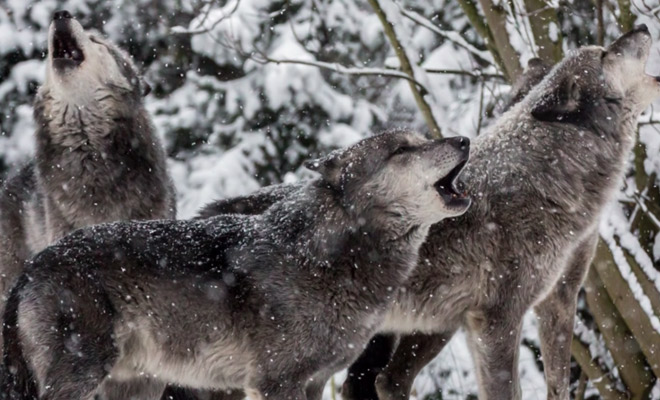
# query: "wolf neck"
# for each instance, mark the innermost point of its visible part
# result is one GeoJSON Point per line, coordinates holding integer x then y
{"type": "Point", "coordinates": [575, 166]}
{"type": "Point", "coordinates": [334, 240]}
{"type": "Point", "coordinates": [84, 119]}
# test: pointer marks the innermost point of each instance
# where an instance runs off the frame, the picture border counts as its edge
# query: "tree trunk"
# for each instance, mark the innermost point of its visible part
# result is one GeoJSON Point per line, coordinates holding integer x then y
{"type": "Point", "coordinates": [496, 19]}
{"type": "Point", "coordinates": [620, 341]}
{"type": "Point", "coordinates": [601, 381]}
{"type": "Point", "coordinates": [407, 67]}
{"type": "Point", "coordinates": [630, 309]}
{"type": "Point", "coordinates": [546, 30]}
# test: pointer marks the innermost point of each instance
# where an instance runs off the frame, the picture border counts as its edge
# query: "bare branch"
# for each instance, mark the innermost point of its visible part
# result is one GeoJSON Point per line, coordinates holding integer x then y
{"type": "Point", "coordinates": [178, 30]}
{"type": "Point", "coordinates": [471, 12]}
{"type": "Point", "coordinates": [474, 74]}
{"type": "Point", "coordinates": [453, 37]}
{"type": "Point", "coordinates": [624, 299]}
{"type": "Point", "coordinates": [602, 381]}
{"type": "Point", "coordinates": [626, 18]}
{"type": "Point", "coordinates": [336, 67]}
{"type": "Point", "coordinates": [496, 19]}
{"type": "Point", "coordinates": [408, 69]}
{"type": "Point", "coordinates": [545, 24]}
{"type": "Point", "coordinates": [619, 340]}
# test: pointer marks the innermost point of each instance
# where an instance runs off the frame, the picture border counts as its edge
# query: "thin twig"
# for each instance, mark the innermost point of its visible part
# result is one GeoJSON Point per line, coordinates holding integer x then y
{"type": "Point", "coordinates": [336, 67]}
{"type": "Point", "coordinates": [476, 74]}
{"type": "Point", "coordinates": [210, 28]}
{"type": "Point", "coordinates": [481, 108]}
{"type": "Point", "coordinates": [449, 35]}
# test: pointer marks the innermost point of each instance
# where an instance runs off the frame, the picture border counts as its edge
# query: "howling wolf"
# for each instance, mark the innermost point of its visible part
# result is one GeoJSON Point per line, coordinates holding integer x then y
{"type": "Point", "coordinates": [273, 303]}
{"type": "Point", "coordinates": [540, 177]}
{"type": "Point", "coordinates": [97, 159]}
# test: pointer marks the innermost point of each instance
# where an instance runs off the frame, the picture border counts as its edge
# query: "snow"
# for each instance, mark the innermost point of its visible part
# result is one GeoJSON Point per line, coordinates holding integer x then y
{"type": "Point", "coordinates": [256, 128]}
{"type": "Point", "coordinates": [614, 224]}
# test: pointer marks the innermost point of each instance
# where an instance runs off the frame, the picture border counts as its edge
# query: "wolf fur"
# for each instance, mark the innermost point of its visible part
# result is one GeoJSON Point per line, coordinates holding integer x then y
{"type": "Point", "coordinates": [272, 303]}
{"type": "Point", "coordinates": [541, 178]}
{"type": "Point", "coordinates": [98, 158]}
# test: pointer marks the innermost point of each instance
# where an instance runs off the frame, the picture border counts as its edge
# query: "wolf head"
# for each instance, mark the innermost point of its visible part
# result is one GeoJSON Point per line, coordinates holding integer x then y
{"type": "Point", "coordinates": [398, 178]}
{"type": "Point", "coordinates": [608, 84]}
{"type": "Point", "coordinates": [85, 68]}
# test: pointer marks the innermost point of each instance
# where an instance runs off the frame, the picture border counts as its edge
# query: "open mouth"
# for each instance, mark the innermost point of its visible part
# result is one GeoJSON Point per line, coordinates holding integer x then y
{"type": "Point", "coordinates": [66, 52]}
{"type": "Point", "coordinates": [447, 187]}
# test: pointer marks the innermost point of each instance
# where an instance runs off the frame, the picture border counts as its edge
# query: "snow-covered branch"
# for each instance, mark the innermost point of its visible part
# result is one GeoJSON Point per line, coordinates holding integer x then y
{"type": "Point", "coordinates": [452, 36]}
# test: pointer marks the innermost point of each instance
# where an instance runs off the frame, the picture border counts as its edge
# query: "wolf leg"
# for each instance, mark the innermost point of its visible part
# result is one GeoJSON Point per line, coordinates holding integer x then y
{"type": "Point", "coordinates": [411, 355]}
{"type": "Point", "coordinates": [138, 389]}
{"type": "Point", "coordinates": [178, 393]}
{"type": "Point", "coordinates": [315, 387]}
{"type": "Point", "coordinates": [360, 382]}
{"type": "Point", "coordinates": [494, 341]}
{"type": "Point", "coordinates": [65, 326]}
{"type": "Point", "coordinates": [556, 314]}
{"type": "Point", "coordinates": [286, 389]}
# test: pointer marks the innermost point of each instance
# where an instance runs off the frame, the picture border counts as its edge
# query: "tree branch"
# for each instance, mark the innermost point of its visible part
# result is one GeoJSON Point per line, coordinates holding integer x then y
{"type": "Point", "coordinates": [626, 18]}
{"type": "Point", "coordinates": [407, 68]}
{"type": "Point", "coordinates": [619, 340]}
{"type": "Point", "coordinates": [452, 36]}
{"type": "Point", "coordinates": [541, 20]}
{"type": "Point", "coordinates": [601, 381]}
{"type": "Point", "coordinates": [496, 19]}
{"type": "Point", "coordinates": [472, 14]}
{"type": "Point", "coordinates": [629, 307]}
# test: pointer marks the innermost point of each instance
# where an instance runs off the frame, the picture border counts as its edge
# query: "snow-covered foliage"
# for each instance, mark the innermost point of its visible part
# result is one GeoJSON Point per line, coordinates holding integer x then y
{"type": "Point", "coordinates": [245, 90]}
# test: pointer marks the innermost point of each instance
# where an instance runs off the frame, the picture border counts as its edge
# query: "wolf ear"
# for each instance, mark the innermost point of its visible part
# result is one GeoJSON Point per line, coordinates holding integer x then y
{"type": "Point", "coordinates": [329, 167]}
{"type": "Point", "coordinates": [561, 101]}
{"type": "Point", "coordinates": [146, 88]}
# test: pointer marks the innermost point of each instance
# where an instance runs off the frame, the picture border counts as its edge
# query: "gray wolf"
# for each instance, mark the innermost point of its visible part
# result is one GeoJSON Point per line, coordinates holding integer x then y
{"type": "Point", "coordinates": [97, 158]}
{"type": "Point", "coordinates": [272, 303]}
{"type": "Point", "coordinates": [540, 179]}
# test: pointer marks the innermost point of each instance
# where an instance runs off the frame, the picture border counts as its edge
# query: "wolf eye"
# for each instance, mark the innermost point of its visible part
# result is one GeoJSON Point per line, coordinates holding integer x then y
{"type": "Point", "coordinates": [602, 56]}
{"type": "Point", "coordinates": [401, 150]}
{"type": "Point", "coordinates": [95, 40]}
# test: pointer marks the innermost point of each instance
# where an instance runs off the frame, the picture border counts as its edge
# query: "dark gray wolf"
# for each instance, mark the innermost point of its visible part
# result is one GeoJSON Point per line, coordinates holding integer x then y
{"type": "Point", "coordinates": [97, 159]}
{"type": "Point", "coordinates": [540, 179]}
{"type": "Point", "coordinates": [272, 303]}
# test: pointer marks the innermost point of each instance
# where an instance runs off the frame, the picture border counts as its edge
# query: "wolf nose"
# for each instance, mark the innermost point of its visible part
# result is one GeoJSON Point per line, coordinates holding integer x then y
{"type": "Point", "coordinates": [460, 142]}
{"type": "Point", "coordinates": [641, 28]}
{"type": "Point", "coordinates": [63, 14]}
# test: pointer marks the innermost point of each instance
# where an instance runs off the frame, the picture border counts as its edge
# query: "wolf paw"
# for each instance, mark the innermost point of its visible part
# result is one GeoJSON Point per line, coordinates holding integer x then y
{"type": "Point", "coordinates": [389, 388]}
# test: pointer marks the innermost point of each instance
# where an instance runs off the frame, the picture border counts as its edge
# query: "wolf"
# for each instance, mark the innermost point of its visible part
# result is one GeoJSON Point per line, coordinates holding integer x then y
{"type": "Point", "coordinates": [272, 303]}
{"type": "Point", "coordinates": [540, 179]}
{"type": "Point", "coordinates": [98, 157]}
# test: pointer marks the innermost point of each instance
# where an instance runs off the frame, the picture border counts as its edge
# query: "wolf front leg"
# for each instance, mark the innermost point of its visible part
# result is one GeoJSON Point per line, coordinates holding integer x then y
{"type": "Point", "coordinates": [285, 389]}
{"type": "Point", "coordinates": [494, 341]}
{"type": "Point", "coordinates": [361, 379]}
{"type": "Point", "coordinates": [411, 355]}
{"type": "Point", "coordinates": [138, 388]}
{"type": "Point", "coordinates": [556, 314]}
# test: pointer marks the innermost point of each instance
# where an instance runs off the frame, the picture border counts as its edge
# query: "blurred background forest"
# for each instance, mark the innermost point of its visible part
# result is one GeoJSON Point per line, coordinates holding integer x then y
{"type": "Point", "coordinates": [245, 90]}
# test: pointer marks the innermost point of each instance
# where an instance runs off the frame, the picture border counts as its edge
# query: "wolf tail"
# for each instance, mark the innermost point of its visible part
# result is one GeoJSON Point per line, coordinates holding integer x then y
{"type": "Point", "coordinates": [16, 379]}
